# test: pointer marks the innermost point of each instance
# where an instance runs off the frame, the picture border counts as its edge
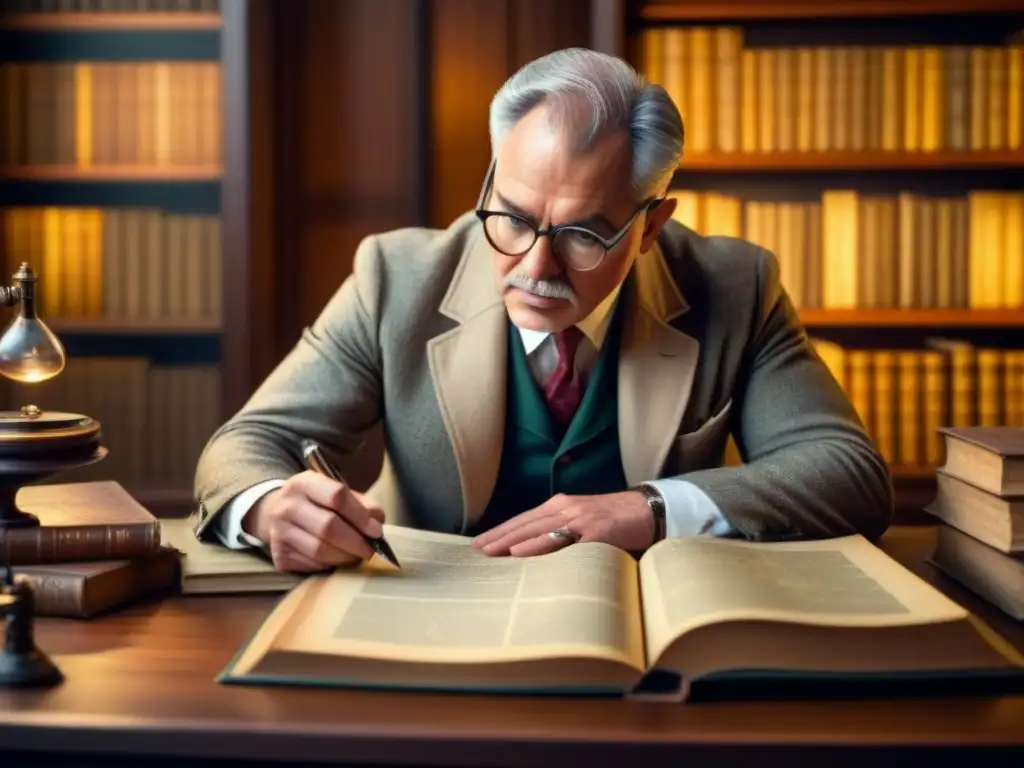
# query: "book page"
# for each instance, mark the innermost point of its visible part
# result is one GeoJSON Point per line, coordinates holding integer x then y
{"type": "Point", "coordinates": [450, 602]}
{"type": "Point", "coordinates": [845, 581]}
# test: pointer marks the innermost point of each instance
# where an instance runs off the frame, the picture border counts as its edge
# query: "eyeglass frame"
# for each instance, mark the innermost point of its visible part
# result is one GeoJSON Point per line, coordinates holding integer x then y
{"type": "Point", "coordinates": [608, 243]}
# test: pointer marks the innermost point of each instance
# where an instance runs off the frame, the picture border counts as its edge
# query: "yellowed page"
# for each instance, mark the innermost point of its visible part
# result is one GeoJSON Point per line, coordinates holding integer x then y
{"type": "Point", "coordinates": [847, 581]}
{"type": "Point", "coordinates": [452, 603]}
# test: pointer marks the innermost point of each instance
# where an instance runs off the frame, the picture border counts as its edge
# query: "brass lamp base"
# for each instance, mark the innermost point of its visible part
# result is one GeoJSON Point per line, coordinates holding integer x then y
{"type": "Point", "coordinates": [35, 444]}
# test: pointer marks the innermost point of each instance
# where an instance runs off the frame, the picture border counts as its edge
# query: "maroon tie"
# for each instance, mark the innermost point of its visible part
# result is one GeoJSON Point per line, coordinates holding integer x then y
{"type": "Point", "coordinates": [563, 390]}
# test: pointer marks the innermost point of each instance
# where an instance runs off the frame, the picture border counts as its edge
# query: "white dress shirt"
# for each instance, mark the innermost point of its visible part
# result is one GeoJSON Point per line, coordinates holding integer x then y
{"type": "Point", "coordinates": [688, 510]}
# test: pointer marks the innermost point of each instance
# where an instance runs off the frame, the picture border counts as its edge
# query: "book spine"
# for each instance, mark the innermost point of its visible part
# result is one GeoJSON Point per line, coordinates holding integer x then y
{"type": "Point", "coordinates": [80, 596]}
{"type": "Point", "coordinates": [42, 545]}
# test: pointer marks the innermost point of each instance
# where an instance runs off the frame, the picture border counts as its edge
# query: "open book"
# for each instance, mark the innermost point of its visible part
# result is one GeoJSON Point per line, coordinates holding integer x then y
{"type": "Point", "coordinates": [591, 619]}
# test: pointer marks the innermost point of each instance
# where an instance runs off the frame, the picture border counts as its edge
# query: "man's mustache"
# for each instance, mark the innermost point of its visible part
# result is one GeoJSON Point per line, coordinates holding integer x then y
{"type": "Point", "coordinates": [555, 288]}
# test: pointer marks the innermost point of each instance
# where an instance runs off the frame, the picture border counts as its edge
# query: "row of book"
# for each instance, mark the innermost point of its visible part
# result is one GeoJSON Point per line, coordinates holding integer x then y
{"type": "Point", "coordinates": [154, 419]}
{"type": "Point", "coordinates": [86, 114]}
{"type": "Point", "coordinates": [113, 6]}
{"type": "Point", "coordinates": [904, 396]}
{"type": "Point", "coordinates": [979, 504]}
{"type": "Point", "coordinates": [849, 250]}
{"type": "Point", "coordinates": [841, 98]}
{"type": "Point", "coordinates": [127, 264]}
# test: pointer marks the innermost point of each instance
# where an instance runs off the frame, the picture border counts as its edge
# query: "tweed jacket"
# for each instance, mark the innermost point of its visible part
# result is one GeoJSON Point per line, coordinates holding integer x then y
{"type": "Point", "coordinates": [416, 338]}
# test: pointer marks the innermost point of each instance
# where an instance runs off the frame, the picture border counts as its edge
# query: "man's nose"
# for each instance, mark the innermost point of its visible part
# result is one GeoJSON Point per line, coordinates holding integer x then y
{"type": "Point", "coordinates": [539, 262]}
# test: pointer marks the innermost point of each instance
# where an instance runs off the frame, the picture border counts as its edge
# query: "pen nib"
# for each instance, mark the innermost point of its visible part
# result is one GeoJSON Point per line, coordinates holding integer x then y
{"type": "Point", "coordinates": [387, 553]}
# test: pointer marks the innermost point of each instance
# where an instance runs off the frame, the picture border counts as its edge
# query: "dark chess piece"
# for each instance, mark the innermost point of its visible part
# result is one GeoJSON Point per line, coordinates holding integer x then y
{"type": "Point", "coordinates": [22, 664]}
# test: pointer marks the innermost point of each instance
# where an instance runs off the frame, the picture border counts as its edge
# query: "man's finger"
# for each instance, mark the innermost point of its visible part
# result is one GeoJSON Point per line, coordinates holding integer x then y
{"type": "Point", "coordinates": [542, 527]}
{"type": "Point", "coordinates": [337, 497]}
{"type": "Point", "coordinates": [539, 545]}
{"type": "Point", "coordinates": [520, 521]}
{"type": "Point", "coordinates": [374, 514]}
{"type": "Point", "coordinates": [291, 561]}
{"type": "Point", "coordinates": [324, 536]}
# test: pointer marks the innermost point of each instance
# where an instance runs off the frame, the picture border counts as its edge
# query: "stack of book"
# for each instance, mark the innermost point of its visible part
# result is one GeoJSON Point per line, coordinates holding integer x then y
{"type": "Point", "coordinates": [980, 505]}
{"type": "Point", "coordinates": [95, 548]}
{"type": "Point", "coordinates": [98, 549]}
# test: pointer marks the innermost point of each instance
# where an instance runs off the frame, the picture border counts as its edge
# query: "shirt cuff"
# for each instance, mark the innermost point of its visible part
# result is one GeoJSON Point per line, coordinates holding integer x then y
{"type": "Point", "coordinates": [689, 511]}
{"type": "Point", "coordinates": [228, 525]}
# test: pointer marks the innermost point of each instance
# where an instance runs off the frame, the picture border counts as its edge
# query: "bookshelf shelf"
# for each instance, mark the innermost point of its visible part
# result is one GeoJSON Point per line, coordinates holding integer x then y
{"type": "Point", "coordinates": [739, 10]}
{"type": "Point", "coordinates": [112, 173]}
{"type": "Point", "coordinates": [52, 22]}
{"type": "Point", "coordinates": [913, 318]}
{"type": "Point", "coordinates": [853, 161]}
{"type": "Point", "coordinates": [101, 326]}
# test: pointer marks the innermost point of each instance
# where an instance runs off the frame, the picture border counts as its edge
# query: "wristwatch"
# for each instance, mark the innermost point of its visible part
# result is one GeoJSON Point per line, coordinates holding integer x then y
{"type": "Point", "coordinates": [657, 504]}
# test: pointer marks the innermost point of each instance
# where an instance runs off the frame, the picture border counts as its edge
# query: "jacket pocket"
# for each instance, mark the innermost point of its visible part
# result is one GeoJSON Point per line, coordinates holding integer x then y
{"type": "Point", "coordinates": [703, 448]}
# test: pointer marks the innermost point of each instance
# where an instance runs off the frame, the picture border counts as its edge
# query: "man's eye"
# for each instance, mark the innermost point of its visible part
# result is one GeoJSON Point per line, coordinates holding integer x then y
{"type": "Point", "coordinates": [583, 238]}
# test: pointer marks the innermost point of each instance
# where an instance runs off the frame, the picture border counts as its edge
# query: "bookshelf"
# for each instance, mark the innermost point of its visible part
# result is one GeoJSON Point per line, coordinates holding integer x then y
{"type": "Point", "coordinates": [112, 174]}
{"type": "Point", "coordinates": [815, 9]}
{"type": "Point", "coordinates": [876, 148]}
{"type": "Point", "coordinates": [111, 20]}
{"type": "Point", "coordinates": [853, 161]}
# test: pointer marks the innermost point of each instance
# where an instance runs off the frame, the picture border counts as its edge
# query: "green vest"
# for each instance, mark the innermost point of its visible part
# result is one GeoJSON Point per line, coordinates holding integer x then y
{"type": "Point", "coordinates": [540, 459]}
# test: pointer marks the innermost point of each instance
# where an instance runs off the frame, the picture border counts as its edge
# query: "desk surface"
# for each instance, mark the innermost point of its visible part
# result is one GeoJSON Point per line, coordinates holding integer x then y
{"type": "Point", "coordinates": [140, 681]}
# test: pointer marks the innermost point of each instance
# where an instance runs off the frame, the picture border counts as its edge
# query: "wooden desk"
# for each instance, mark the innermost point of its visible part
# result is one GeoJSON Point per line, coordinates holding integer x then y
{"type": "Point", "coordinates": [140, 683]}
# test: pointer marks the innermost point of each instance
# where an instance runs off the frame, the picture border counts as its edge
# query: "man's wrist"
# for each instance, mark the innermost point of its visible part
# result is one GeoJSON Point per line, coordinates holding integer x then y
{"type": "Point", "coordinates": [656, 503]}
{"type": "Point", "coordinates": [252, 520]}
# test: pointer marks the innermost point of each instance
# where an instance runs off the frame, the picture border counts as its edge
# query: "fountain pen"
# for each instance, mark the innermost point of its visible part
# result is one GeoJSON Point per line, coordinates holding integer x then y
{"type": "Point", "coordinates": [316, 460]}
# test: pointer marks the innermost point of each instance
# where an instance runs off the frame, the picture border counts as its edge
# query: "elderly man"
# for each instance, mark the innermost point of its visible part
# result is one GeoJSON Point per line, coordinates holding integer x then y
{"type": "Point", "coordinates": [564, 363]}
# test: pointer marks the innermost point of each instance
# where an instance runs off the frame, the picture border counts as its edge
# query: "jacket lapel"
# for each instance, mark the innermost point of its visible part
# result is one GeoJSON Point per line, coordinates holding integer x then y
{"type": "Point", "coordinates": [657, 364]}
{"type": "Point", "coordinates": [468, 365]}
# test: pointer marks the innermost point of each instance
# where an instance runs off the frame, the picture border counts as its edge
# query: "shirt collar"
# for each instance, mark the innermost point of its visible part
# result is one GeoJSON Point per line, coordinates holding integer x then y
{"type": "Point", "coordinates": [594, 326]}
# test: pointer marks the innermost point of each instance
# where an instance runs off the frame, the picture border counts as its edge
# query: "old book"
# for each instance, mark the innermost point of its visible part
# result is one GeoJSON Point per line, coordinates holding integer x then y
{"type": "Point", "coordinates": [80, 521]}
{"type": "Point", "coordinates": [992, 575]}
{"type": "Point", "coordinates": [997, 521]}
{"type": "Point", "coordinates": [590, 619]}
{"type": "Point", "coordinates": [213, 569]}
{"type": "Point", "coordinates": [86, 589]}
{"type": "Point", "coordinates": [991, 458]}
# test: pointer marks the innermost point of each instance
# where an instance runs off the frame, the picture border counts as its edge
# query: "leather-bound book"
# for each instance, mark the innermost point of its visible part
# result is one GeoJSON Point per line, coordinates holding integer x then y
{"type": "Point", "coordinates": [83, 590]}
{"type": "Point", "coordinates": [989, 458]}
{"type": "Point", "coordinates": [80, 521]}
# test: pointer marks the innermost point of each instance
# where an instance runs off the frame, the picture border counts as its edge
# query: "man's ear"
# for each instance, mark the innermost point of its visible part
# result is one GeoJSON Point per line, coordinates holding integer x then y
{"type": "Point", "coordinates": [655, 220]}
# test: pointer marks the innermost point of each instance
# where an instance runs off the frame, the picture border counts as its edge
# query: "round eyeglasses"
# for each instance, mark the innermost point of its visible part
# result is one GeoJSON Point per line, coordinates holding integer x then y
{"type": "Point", "coordinates": [575, 247]}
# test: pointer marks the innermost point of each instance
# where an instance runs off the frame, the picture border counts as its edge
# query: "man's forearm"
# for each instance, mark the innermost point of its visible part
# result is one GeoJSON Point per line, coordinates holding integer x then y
{"type": "Point", "coordinates": [817, 489]}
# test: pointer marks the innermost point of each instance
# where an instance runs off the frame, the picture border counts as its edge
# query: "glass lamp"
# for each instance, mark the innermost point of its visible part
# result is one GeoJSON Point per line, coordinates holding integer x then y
{"type": "Point", "coordinates": [35, 443]}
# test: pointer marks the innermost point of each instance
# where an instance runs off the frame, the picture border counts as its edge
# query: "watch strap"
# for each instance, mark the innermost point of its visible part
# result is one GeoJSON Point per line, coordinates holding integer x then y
{"type": "Point", "coordinates": [656, 502]}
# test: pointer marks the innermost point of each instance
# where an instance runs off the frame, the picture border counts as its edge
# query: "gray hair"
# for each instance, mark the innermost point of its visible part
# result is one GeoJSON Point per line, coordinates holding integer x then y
{"type": "Point", "coordinates": [612, 95]}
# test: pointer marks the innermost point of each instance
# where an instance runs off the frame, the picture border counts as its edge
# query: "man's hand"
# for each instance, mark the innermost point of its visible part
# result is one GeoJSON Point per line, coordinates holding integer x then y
{"type": "Point", "coordinates": [313, 522]}
{"type": "Point", "coordinates": [623, 520]}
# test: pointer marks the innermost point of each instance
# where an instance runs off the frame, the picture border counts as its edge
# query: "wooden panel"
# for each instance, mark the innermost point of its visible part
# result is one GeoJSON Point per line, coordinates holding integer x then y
{"type": "Point", "coordinates": [470, 60]}
{"type": "Point", "coordinates": [540, 26]}
{"type": "Point", "coordinates": [248, 199]}
{"type": "Point", "coordinates": [350, 147]}
{"type": "Point", "coordinates": [358, 136]}
{"type": "Point", "coordinates": [607, 27]}
{"type": "Point", "coordinates": [476, 46]}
